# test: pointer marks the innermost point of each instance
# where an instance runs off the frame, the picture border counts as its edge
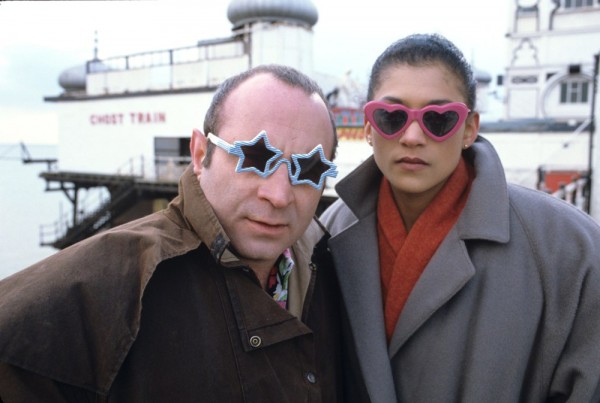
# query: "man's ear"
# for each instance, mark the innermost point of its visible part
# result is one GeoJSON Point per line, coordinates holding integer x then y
{"type": "Point", "coordinates": [198, 146]}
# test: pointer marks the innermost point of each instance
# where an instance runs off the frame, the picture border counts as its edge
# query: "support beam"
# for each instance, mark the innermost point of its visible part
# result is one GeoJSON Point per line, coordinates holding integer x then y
{"type": "Point", "coordinates": [594, 157]}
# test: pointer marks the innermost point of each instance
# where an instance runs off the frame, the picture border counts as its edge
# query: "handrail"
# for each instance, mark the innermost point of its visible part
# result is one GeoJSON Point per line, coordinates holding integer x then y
{"type": "Point", "coordinates": [165, 57]}
{"type": "Point", "coordinates": [574, 193]}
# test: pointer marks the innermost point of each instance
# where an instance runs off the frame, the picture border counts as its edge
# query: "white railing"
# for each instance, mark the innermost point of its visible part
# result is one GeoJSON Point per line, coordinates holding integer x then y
{"type": "Point", "coordinates": [223, 48]}
{"type": "Point", "coordinates": [160, 168]}
{"type": "Point", "coordinates": [574, 193]}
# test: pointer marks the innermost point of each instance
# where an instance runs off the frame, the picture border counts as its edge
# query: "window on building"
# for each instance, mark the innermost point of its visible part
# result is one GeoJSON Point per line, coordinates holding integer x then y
{"type": "Point", "coordinates": [577, 3]}
{"type": "Point", "coordinates": [171, 156]}
{"type": "Point", "coordinates": [574, 91]}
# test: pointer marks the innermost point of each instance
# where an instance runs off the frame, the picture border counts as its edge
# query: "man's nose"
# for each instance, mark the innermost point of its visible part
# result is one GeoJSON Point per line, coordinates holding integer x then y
{"type": "Point", "coordinates": [277, 188]}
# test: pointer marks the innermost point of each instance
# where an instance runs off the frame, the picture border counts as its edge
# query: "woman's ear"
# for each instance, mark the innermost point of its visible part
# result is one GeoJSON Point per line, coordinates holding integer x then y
{"type": "Point", "coordinates": [198, 146]}
{"type": "Point", "coordinates": [471, 129]}
{"type": "Point", "coordinates": [368, 131]}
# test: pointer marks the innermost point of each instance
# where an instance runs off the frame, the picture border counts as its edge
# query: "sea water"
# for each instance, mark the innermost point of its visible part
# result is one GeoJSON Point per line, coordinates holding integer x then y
{"type": "Point", "coordinates": [25, 207]}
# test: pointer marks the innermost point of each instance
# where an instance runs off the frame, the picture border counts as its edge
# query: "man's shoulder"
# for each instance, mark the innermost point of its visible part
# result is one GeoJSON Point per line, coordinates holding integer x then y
{"type": "Point", "coordinates": [76, 300]}
{"type": "Point", "coordinates": [110, 262]}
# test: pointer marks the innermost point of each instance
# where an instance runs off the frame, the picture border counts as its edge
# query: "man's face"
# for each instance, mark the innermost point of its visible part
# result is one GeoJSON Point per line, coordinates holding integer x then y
{"type": "Point", "coordinates": [263, 216]}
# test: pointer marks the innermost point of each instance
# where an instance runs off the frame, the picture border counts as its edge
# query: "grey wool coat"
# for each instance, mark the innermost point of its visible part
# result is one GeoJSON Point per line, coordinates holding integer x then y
{"type": "Point", "coordinates": [507, 310]}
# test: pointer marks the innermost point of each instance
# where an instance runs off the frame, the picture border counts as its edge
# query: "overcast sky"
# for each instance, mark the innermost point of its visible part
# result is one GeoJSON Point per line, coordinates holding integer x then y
{"type": "Point", "coordinates": [40, 39]}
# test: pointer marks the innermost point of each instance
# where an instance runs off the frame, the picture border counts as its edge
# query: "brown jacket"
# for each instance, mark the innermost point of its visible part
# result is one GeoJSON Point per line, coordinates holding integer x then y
{"type": "Point", "coordinates": [160, 310]}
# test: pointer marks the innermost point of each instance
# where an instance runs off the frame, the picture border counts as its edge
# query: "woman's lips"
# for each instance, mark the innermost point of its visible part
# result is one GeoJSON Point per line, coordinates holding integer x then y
{"type": "Point", "coordinates": [412, 163]}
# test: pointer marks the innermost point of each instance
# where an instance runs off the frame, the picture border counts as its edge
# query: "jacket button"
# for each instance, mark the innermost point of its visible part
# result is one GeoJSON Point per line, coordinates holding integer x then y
{"type": "Point", "coordinates": [255, 341]}
{"type": "Point", "coordinates": [311, 378]}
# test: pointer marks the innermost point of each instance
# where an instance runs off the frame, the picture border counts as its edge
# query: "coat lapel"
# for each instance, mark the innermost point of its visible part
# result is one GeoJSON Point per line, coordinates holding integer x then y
{"type": "Point", "coordinates": [355, 254]}
{"type": "Point", "coordinates": [450, 268]}
{"type": "Point", "coordinates": [446, 274]}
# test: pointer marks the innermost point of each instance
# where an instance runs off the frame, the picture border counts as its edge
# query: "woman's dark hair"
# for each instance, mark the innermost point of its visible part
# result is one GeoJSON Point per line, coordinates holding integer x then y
{"type": "Point", "coordinates": [424, 49]}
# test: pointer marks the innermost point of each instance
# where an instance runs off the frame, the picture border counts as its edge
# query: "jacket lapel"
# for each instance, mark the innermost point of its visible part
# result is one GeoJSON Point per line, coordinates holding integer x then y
{"type": "Point", "coordinates": [450, 268]}
{"type": "Point", "coordinates": [446, 274]}
{"type": "Point", "coordinates": [355, 254]}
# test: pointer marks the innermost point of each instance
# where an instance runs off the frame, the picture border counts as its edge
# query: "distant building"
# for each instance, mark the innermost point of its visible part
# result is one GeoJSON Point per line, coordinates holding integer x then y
{"type": "Point", "coordinates": [551, 48]}
{"type": "Point", "coordinates": [544, 137]}
{"type": "Point", "coordinates": [146, 104]}
{"type": "Point", "coordinates": [125, 122]}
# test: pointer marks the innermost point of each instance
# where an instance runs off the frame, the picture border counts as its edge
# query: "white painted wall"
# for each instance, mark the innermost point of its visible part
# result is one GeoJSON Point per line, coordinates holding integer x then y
{"type": "Point", "coordinates": [283, 44]}
{"type": "Point", "coordinates": [104, 135]}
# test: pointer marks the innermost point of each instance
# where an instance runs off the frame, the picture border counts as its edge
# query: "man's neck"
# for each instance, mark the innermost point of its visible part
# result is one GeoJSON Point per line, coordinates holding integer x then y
{"type": "Point", "coordinates": [263, 275]}
{"type": "Point", "coordinates": [262, 270]}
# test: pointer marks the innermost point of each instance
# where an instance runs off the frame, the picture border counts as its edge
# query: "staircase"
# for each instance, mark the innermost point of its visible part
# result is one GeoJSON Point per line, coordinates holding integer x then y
{"type": "Point", "coordinates": [100, 218]}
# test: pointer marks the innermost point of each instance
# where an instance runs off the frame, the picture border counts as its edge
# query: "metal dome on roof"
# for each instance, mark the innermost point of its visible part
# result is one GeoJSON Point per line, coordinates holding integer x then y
{"type": "Point", "coordinates": [241, 12]}
{"type": "Point", "coordinates": [482, 76]}
{"type": "Point", "coordinates": [73, 78]}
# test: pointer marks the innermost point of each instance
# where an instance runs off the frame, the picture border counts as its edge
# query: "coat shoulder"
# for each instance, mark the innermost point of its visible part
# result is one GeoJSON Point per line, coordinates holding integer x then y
{"type": "Point", "coordinates": [337, 217]}
{"type": "Point", "coordinates": [537, 209]}
{"type": "Point", "coordinates": [99, 280]}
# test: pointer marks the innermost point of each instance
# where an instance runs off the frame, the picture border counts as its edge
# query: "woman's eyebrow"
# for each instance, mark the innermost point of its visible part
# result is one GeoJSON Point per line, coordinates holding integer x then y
{"type": "Point", "coordinates": [394, 100]}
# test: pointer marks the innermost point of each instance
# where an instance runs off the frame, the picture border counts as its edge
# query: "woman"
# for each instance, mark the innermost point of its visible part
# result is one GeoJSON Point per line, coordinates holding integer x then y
{"type": "Point", "coordinates": [459, 287]}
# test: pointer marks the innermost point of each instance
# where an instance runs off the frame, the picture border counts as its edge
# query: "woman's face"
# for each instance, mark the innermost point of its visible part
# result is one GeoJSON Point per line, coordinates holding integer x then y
{"type": "Point", "coordinates": [416, 165]}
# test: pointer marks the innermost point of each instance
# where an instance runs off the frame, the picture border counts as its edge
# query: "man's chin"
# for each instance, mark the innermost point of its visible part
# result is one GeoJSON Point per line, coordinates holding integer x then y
{"type": "Point", "coordinates": [262, 254]}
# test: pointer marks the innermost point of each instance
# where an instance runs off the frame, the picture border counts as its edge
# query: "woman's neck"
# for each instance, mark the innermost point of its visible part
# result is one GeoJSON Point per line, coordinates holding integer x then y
{"type": "Point", "coordinates": [411, 205]}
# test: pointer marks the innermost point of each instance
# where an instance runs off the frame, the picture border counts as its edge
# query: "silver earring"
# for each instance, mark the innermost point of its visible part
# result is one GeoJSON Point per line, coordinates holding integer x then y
{"type": "Point", "coordinates": [466, 146]}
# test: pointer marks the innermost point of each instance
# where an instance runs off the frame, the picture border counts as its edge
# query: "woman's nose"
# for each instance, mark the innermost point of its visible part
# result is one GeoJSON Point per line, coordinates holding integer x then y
{"type": "Point", "coordinates": [413, 134]}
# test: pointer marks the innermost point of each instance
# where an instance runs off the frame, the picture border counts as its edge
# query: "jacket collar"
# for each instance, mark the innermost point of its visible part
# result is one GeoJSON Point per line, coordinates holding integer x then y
{"type": "Point", "coordinates": [355, 252]}
{"type": "Point", "coordinates": [192, 209]}
{"type": "Point", "coordinates": [199, 217]}
{"type": "Point", "coordinates": [486, 215]}
{"type": "Point", "coordinates": [489, 193]}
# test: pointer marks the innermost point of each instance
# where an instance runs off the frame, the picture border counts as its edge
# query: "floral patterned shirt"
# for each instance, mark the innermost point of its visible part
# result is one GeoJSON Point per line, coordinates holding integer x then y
{"type": "Point", "coordinates": [277, 284]}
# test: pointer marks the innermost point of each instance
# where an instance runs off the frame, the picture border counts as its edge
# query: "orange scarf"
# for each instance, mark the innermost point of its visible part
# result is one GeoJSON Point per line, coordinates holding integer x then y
{"type": "Point", "coordinates": [403, 256]}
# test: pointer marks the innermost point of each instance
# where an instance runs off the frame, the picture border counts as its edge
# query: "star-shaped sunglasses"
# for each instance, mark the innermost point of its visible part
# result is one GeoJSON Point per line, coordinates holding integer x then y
{"type": "Point", "coordinates": [437, 121]}
{"type": "Point", "coordinates": [260, 157]}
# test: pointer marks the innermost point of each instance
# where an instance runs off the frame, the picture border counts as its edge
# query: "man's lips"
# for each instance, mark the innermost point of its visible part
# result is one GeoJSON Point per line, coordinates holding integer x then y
{"type": "Point", "coordinates": [266, 225]}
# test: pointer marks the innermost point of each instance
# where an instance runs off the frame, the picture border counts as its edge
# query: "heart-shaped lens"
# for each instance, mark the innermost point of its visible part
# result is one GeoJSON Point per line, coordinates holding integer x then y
{"type": "Point", "coordinates": [389, 122]}
{"type": "Point", "coordinates": [440, 124]}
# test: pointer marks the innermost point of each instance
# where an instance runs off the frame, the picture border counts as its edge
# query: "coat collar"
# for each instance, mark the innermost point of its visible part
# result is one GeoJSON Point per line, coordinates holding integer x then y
{"type": "Point", "coordinates": [485, 215]}
{"type": "Point", "coordinates": [192, 209]}
{"type": "Point", "coordinates": [355, 251]}
{"type": "Point", "coordinates": [200, 218]}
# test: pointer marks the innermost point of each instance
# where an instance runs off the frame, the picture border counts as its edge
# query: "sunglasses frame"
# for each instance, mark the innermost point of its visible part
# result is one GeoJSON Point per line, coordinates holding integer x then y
{"type": "Point", "coordinates": [417, 114]}
{"type": "Point", "coordinates": [276, 160]}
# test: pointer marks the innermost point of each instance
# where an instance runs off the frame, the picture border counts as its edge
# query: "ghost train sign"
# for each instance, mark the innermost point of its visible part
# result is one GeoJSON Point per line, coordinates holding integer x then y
{"type": "Point", "coordinates": [133, 118]}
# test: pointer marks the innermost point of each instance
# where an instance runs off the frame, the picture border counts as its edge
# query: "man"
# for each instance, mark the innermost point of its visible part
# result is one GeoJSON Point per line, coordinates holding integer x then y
{"type": "Point", "coordinates": [215, 299]}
